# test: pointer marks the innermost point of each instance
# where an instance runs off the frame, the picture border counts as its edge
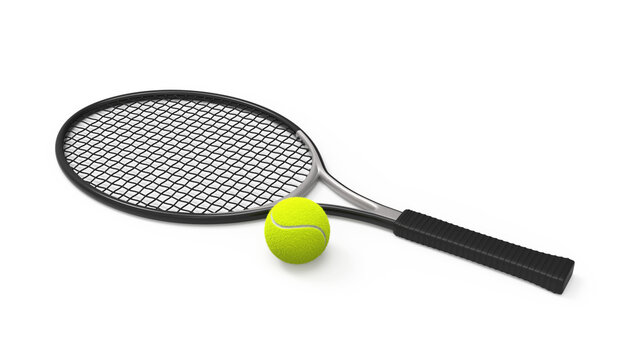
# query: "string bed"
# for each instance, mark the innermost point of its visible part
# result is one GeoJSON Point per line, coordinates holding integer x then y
{"type": "Point", "coordinates": [187, 155]}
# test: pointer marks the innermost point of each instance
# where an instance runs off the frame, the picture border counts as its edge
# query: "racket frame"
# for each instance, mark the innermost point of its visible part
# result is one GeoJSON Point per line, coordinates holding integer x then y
{"type": "Point", "coordinates": [370, 211]}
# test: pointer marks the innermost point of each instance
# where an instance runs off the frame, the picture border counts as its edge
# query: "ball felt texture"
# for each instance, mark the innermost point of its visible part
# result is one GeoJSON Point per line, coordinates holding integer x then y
{"type": "Point", "coordinates": [297, 230]}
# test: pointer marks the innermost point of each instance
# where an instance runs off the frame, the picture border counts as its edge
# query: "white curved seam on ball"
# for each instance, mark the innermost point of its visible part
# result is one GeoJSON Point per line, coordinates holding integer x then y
{"type": "Point", "coordinates": [299, 227]}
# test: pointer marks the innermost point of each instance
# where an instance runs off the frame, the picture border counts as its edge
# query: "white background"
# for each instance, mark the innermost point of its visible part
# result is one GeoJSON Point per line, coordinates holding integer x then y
{"type": "Point", "coordinates": [518, 120]}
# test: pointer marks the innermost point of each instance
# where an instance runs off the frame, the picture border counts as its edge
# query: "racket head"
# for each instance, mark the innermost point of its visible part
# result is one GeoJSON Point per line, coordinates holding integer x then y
{"type": "Point", "coordinates": [186, 156]}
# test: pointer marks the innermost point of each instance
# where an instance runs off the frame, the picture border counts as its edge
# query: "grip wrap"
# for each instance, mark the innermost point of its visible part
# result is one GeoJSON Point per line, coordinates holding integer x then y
{"type": "Point", "coordinates": [548, 271]}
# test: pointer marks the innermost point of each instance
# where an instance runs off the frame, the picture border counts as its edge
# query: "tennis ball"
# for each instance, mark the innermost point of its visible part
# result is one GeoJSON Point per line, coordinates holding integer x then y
{"type": "Point", "coordinates": [297, 230]}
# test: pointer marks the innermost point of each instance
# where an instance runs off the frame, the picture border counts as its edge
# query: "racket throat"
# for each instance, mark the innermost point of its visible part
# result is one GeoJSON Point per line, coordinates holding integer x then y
{"type": "Point", "coordinates": [318, 171]}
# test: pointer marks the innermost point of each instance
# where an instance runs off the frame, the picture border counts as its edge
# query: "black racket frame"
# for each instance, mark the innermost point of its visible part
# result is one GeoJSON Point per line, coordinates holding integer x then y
{"type": "Point", "coordinates": [221, 218]}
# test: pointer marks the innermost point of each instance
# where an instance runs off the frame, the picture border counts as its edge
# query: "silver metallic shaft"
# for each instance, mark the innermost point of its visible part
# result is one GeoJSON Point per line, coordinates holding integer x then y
{"type": "Point", "coordinates": [340, 189]}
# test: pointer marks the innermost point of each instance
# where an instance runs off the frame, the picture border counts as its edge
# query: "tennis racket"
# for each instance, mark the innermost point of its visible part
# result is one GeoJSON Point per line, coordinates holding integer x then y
{"type": "Point", "coordinates": [196, 157]}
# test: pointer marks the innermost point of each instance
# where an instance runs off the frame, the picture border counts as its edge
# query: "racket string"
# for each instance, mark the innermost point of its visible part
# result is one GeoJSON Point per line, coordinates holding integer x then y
{"type": "Point", "coordinates": [187, 155]}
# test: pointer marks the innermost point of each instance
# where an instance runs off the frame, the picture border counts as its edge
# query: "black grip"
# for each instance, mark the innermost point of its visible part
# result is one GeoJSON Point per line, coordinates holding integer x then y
{"type": "Point", "coordinates": [548, 271]}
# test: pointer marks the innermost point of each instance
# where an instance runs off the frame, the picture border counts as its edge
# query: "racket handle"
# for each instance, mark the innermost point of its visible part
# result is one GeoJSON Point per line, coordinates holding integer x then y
{"type": "Point", "coordinates": [548, 271]}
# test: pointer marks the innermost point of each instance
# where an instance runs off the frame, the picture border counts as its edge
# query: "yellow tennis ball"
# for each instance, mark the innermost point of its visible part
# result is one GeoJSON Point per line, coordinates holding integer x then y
{"type": "Point", "coordinates": [297, 230]}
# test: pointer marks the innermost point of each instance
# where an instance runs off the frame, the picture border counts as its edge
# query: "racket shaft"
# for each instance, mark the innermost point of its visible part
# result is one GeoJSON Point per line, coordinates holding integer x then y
{"type": "Point", "coordinates": [548, 271]}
